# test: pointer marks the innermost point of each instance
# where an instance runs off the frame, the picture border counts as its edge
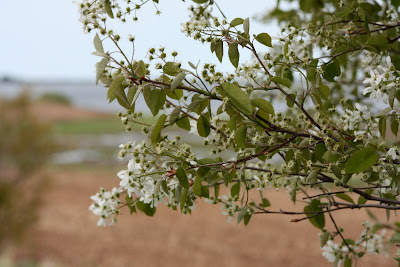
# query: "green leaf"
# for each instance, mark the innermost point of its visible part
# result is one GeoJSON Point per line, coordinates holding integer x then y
{"type": "Point", "coordinates": [140, 68]}
{"type": "Point", "coordinates": [394, 126]}
{"type": "Point", "coordinates": [233, 54]}
{"type": "Point", "coordinates": [240, 136]}
{"type": "Point", "coordinates": [284, 81]}
{"type": "Point", "coordinates": [316, 99]}
{"type": "Point", "coordinates": [197, 186]}
{"type": "Point", "coordinates": [319, 151]}
{"type": "Point", "coordinates": [171, 68]}
{"type": "Point", "coordinates": [331, 71]}
{"type": "Point", "coordinates": [247, 218]}
{"type": "Point", "coordinates": [319, 220]}
{"type": "Point", "coordinates": [312, 70]}
{"type": "Point", "coordinates": [184, 195]}
{"type": "Point", "coordinates": [265, 203]}
{"type": "Point", "coordinates": [336, 171]}
{"type": "Point", "coordinates": [98, 45]}
{"type": "Point", "coordinates": [235, 189]}
{"type": "Point", "coordinates": [203, 171]}
{"type": "Point", "coordinates": [264, 38]}
{"type": "Point", "coordinates": [200, 1]}
{"type": "Point", "coordinates": [231, 175]}
{"type": "Point", "coordinates": [289, 102]}
{"type": "Point", "coordinates": [146, 208]}
{"type": "Point", "coordinates": [164, 186]}
{"type": "Point", "coordinates": [324, 237]}
{"type": "Point", "coordinates": [374, 176]}
{"type": "Point", "coordinates": [156, 133]}
{"type": "Point", "coordinates": [216, 191]}
{"type": "Point", "coordinates": [219, 50]}
{"type": "Point", "coordinates": [236, 22]}
{"type": "Point", "coordinates": [344, 11]}
{"type": "Point", "coordinates": [289, 155]}
{"type": "Point", "coordinates": [325, 91]}
{"type": "Point", "coordinates": [345, 197]}
{"type": "Point", "coordinates": [107, 6]}
{"type": "Point", "coordinates": [380, 42]}
{"type": "Point", "coordinates": [347, 262]}
{"type": "Point", "coordinates": [155, 100]}
{"type": "Point", "coordinates": [307, 5]}
{"type": "Point", "coordinates": [137, 93]}
{"type": "Point", "coordinates": [312, 176]}
{"type": "Point", "coordinates": [205, 191]}
{"type": "Point", "coordinates": [382, 126]}
{"type": "Point", "coordinates": [392, 96]}
{"type": "Point", "coordinates": [263, 105]}
{"type": "Point", "coordinates": [192, 65]}
{"type": "Point", "coordinates": [121, 97]}
{"type": "Point", "coordinates": [241, 214]}
{"type": "Point", "coordinates": [184, 123]}
{"type": "Point", "coordinates": [346, 178]}
{"type": "Point", "coordinates": [178, 191]}
{"type": "Point", "coordinates": [246, 26]}
{"type": "Point", "coordinates": [177, 81]}
{"type": "Point", "coordinates": [198, 104]}
{"type": "Point", "coordinates": [181, 175]}
{"type": "Point", "coordinates": [361, 160]}
{"type": "Point", "coordinates": [239, 99]}
{"type": "Point", "coordinates": [100, 67]}
{"type": "Point", "coordinates": [362, 200]}
{"type": "Point", "coordinates": [173, 117]}
{"type": "Point", "coordinates": [131, 94]}
{"type": "Point", "coordinates": [203, 126]}
{"type": "Point", "coordinates": [115, 86]}
{"type": "Point", "coordinates": [395, 3]}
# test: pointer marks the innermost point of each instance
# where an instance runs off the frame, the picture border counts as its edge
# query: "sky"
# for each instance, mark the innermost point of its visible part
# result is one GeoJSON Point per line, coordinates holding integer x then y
{"type": "Point", "coordinates": [43, 39]}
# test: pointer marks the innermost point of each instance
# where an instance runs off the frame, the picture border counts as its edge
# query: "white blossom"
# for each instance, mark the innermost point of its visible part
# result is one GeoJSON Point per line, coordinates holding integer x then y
{"type": "Point", "coordinates": [105, 204]}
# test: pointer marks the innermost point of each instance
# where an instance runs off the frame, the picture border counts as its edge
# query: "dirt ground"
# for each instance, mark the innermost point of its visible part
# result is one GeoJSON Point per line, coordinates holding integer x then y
{"type": "Point", "coordinates": [67, 233]}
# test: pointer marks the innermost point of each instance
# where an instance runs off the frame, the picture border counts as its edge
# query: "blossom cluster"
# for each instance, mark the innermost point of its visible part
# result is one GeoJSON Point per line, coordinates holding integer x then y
{"type": "Point", "coordinates": [381, 81]}
{"type": "Point", "coordinates": [369, 242]}
{"type": "Point", "coordinates": [106, 205]}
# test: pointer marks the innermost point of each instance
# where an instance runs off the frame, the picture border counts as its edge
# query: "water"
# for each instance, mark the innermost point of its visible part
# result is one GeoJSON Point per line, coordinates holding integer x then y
{"type": "Point", "coordinates": [86, 95]}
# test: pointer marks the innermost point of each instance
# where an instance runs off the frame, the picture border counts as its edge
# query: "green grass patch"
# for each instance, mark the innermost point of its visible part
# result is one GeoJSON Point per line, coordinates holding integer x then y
{"type": "Point", "coordinates": [85, 167]}
{"type": "Point", "coordinates": [95, 126]}
{"type": "Point", "coordinates": [98, 126]}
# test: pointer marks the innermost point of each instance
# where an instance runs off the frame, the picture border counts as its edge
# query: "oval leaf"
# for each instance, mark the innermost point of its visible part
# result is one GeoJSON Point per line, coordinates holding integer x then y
{"type": "Point", "coordinates": [239, 99]}
{"type": "Point", "coordinates": [114, 87]}
{"type": "Point", "coordinates": [177, 81]}
{"type": "Point", "coordinates": [240, 136]}
{"type": "Point", "coordinates": [181, 175]}
{"type": "Point", "coordinates": [263, 105]}
{"type": "Point", "coordinates": [233, 53]}
{"type": "Point", "coordinates": [107, 6]}
{"type": "Point", "coordinates": [156, 133]}
{"type": "Point", "coordinates": [100, 67]}
{"type": "Point", "coordinates": [98, 44]}
{"type": "Point", "coordinates": [361, 160]}
{"type": "Point", "coordinates": [203, 126]}
{"type": "Point", "coordinates": [284, 81]}
{"type": "Point", "coordinates": [246, 26]}
{"type": "Point", "coordinates": [264, 39]}
{"type": "Point", "coordinates": [236, 22]}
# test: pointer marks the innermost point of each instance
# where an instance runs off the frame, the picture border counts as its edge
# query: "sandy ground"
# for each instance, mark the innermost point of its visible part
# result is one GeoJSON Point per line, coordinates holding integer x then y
{"type": "Point", "coordinates": [67, 233]}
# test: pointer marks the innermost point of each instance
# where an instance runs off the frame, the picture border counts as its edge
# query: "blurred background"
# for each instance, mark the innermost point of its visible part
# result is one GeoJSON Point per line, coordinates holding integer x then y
{"type": "Point", "coordinates": [59, 140]}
